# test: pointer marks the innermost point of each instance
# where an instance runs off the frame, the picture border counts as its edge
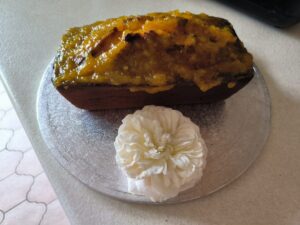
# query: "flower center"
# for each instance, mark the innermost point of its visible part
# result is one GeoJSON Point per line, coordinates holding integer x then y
{"type": "Point", "coordinates": [158, 148]}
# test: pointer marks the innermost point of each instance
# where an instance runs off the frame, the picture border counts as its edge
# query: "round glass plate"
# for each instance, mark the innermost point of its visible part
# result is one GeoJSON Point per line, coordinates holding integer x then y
{"type": "Point", "coordinates": [234, 130]}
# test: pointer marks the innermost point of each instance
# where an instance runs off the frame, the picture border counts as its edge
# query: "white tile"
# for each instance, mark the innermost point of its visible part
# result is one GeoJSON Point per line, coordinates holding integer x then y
{"type": "Point", "coordinates": [55, 215]}
{"type": "Point", "coordinates": [41, 190]}
{"type": "Point", "coordinates": [26, 213]}
{"type": "Point", "coordinates": [5, 135]}
{"type": "Point", "coordinates": [1, 217]}
{"type": "Point", "coordinates": [30, 164]}
{"type": "Point", "coordinates": [1, 87]}
{"type": "Point", "coordinates": [19, 141]}
{"type": "Point", "coordinates": [10, 120]}
{"type": "Point", "coordinates": [13, 190]}
{"type": "Point", "coordinates": [8, 162]}
{"type": "Point", "coordinates": [5, 103]}
{"type": "Point", "coordinates": [1, 114]}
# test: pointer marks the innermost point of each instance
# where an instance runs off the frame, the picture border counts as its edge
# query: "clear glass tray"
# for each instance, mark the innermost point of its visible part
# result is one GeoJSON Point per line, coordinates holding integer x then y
{"type": "Point", "coordinates": [235, 132]}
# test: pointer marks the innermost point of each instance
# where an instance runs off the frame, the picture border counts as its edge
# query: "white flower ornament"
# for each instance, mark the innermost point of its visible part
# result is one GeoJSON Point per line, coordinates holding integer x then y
{"type": "Point", "coordinates": [160, 151]}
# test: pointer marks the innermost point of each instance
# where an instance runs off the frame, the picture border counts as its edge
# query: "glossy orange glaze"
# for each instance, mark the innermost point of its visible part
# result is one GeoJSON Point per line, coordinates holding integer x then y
{"type": "Point", "coordinates": [151, 53]}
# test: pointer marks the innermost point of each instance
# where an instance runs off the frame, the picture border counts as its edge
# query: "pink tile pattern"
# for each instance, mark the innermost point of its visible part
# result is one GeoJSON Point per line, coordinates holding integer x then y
{"type": "Point", "coordinates": [19, 141]}
{"type": "Point", "coordinates": [13, 190]}
{"type": "Point", "coordinates": [54, 215]}
{"type": "Point", "coordinates": [10, 120]}
{"type": "Point", "coordinates": [27, 213]}
{"type": "Point", "coordinates": [29, 165]}
{"type": "Point", "coordinates": [26, 196]}
{"type": "Point", "coordinates": [8, 162]}
{"type": "Point", "coordinates": [41, 190]}
{"type": "Point", "coordinates": [5, 137]}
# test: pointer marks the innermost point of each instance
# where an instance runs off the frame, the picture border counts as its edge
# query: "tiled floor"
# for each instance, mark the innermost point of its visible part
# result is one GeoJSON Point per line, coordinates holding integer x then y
{"type": "Point", "coordinates": [26, 196]}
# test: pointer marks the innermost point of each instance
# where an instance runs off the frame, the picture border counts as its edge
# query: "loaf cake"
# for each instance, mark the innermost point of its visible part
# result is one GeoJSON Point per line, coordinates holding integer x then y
{"type": "Point", "coordinates": [158, 58]}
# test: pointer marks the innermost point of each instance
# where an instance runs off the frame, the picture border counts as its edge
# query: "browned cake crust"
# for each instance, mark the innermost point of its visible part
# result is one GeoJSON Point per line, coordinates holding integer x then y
{"type": "Point", "coordinates": [115, 97]}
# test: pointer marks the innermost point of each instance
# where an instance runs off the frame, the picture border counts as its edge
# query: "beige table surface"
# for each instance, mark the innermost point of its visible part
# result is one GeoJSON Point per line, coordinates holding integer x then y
{"type": "Point", "coordinates": [268, 193]}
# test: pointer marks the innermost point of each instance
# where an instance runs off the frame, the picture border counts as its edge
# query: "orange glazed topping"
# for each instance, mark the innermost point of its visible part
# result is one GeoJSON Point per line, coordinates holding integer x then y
{"type": "Point", "coordinates": [152, 53]}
